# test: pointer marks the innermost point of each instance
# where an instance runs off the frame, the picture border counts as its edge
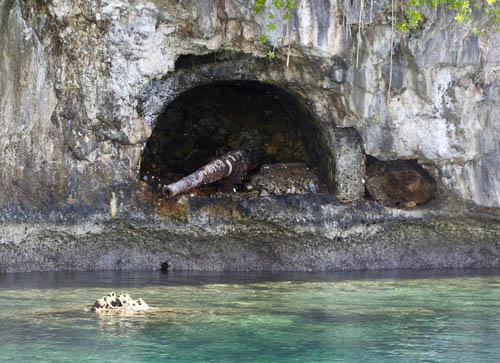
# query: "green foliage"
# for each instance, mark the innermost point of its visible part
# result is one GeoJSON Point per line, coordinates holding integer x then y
{"type": "Point", "coordinates": [271, 26]}
{"type": "Point", "coordinates": [271, 54]}
{"type": "Point", "coordinates": [259, 5]}
{"type": "Point", "coordinates": [461, 8]}
{"type": "Point", "coordinates": [412, 17]}
{"type": "Point", "coordinates": [477, 32]}
{"type": "Point", "coordinates": [493, 11]}
{"type": "Point", "coordinates": [277, 9]}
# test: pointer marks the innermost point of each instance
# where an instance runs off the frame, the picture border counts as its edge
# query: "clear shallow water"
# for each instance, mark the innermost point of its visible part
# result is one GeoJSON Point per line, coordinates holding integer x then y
{"type": "Point", "coordinates": [384, 316]}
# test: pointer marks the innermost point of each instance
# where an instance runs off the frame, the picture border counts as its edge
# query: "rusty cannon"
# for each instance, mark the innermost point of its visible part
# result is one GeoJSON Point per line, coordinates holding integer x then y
{"type": "Point", "coordinates": [228, 169]}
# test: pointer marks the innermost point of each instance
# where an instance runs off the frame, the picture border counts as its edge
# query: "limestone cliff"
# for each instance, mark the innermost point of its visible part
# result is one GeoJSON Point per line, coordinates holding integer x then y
{"type": "Point", "coordinates": [83, 83]}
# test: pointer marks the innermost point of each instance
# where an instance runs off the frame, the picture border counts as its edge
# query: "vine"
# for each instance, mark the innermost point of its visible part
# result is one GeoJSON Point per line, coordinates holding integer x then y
{"type": "Point", "coordinates": [412, 18]}
{"type": "Point", "coordinates": [411, 15]}
{"type": "Point", "coordinates": [279, 9]}
{"type": "Point", "coordinates": [461, 8]}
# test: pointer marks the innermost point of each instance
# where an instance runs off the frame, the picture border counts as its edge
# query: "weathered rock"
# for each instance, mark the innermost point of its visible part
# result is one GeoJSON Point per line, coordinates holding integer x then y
{"type": "Point", "coordinates": [399, 183]}
{"type": "Point", "coordinates": [285, 178]}
{"type": "Point", "coordinates": [82, 87]}
{"type": "Point", "coordinates": [312, 232]}
{"type": "Point", "coordinates": [113, 303]}
{"type": "Point", "coordinates": [90, 65]}
{"type": "Point", "coordinates": [349, 165]}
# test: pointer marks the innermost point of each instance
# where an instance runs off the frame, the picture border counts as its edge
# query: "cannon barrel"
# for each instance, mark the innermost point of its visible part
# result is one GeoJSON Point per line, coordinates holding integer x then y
{"type": "Point", "coordinates": [231, 166]}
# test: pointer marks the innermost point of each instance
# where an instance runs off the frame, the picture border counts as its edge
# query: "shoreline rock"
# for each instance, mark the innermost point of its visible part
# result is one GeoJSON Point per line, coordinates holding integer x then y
{"type": "Point", "coordinates": [123, 302]}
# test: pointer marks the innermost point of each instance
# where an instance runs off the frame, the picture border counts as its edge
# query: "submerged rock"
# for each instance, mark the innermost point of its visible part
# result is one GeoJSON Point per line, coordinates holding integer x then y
{"type": "Point", "coordinates": [117, 304]}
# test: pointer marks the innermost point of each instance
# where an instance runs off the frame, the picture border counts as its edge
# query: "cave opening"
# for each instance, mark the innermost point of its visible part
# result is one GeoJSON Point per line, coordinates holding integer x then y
{"type": "Point", "coordinates": [399, 183]}
{"type": "Point", "coordinates": [209, 121]}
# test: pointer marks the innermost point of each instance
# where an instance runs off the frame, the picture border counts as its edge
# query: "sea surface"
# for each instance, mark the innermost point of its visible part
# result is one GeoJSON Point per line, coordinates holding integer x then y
{"type": "Point", "coordinates": [375, 316]}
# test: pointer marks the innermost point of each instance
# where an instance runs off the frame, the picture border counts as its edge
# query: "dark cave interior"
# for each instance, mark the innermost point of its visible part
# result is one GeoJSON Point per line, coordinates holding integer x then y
{"type": "Point", "coordinates": [211, 120]}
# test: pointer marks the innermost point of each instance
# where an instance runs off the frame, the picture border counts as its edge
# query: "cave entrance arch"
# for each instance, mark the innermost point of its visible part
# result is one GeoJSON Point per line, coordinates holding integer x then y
{"type": "Point", "coordinates": [209, 120]}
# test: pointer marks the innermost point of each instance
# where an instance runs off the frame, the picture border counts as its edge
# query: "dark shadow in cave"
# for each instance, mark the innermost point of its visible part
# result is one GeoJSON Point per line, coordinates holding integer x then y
{"type": "Point", "coordinates": [208, 121]}
{"type": "Point", "coordinates": [399, 183]}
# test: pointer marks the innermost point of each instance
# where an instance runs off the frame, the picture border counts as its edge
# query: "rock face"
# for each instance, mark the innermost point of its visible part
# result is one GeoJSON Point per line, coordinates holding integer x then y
{"type": "Point", "coordinates": [285, 178]}
{"type": "Point", "coordinates": [349, 165]}
{"type": "Point", "coordinates": [84, 85]}
{"type": "Point", "coordinates": [113, 303]}
{"type": "Point", "coordinates": [74, 76]}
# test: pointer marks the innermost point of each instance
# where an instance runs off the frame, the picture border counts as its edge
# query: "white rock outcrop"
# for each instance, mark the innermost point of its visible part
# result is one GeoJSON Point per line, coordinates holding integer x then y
{"type": "Point", "coordinates": [122, 303]}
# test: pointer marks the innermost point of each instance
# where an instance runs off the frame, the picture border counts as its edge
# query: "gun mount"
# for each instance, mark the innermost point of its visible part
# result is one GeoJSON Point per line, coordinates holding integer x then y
{"type": "Point", "coordinates": [229, 168]}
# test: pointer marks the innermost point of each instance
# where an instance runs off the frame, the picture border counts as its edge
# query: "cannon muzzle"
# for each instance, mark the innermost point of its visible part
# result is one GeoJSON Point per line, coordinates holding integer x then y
{"type": "Point", "coordinates": [230, 167]}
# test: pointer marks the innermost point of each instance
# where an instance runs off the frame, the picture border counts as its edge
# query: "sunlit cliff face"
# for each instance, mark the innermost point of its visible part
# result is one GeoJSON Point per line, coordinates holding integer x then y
{"type": "Point", "coordinates": [73, 78]}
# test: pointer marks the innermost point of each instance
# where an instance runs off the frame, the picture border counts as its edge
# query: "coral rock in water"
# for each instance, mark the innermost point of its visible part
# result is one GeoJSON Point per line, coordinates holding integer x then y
{"type": "Point", "coordinates": [121, 303]}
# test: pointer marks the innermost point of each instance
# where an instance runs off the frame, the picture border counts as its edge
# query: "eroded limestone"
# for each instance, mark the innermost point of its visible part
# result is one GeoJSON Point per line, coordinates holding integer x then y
{"type": "Point", "coordinates": [116, 304]}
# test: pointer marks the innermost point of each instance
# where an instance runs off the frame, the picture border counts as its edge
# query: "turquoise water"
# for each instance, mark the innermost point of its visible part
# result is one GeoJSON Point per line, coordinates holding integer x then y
{"type": "Point", "coordinates": [391, 316]}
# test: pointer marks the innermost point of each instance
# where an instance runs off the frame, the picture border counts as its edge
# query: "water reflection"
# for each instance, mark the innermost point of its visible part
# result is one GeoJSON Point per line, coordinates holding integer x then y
{"type": "Point", "coordinates": [109, 279]}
